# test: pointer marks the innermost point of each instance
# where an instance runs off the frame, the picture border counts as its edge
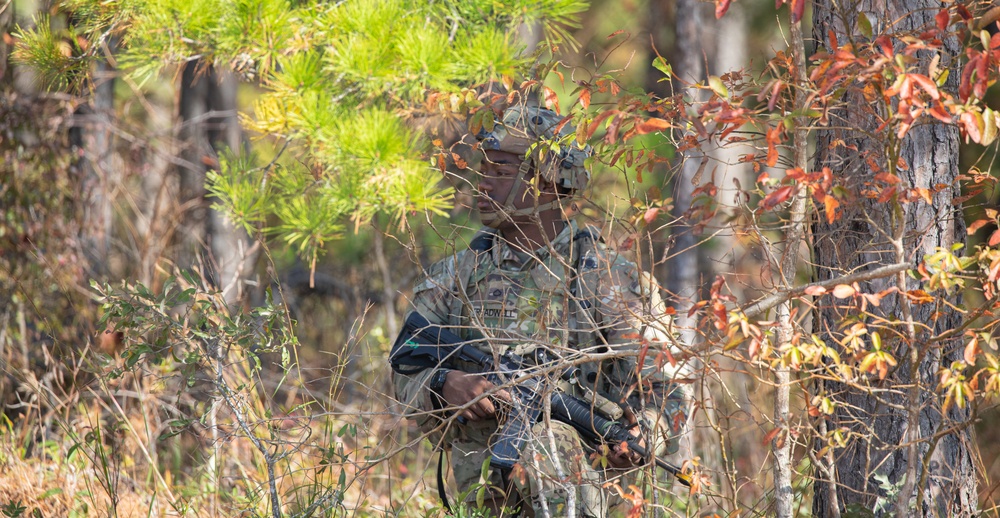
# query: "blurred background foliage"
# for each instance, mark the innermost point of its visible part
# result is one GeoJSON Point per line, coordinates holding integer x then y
{"type": "Point", "coordinates": [322, 121]}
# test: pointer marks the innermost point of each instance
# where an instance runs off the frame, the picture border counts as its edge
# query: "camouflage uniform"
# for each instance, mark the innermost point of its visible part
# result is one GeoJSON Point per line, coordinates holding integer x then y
{"type": "Point", "coordinates": [525, 300]}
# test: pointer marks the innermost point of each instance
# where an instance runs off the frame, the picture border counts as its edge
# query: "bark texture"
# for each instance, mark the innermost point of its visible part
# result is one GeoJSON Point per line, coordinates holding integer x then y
{"type": "Point", "coordinates": [896, 427]}
{"type": "Point", "coordinates": [208, 125]}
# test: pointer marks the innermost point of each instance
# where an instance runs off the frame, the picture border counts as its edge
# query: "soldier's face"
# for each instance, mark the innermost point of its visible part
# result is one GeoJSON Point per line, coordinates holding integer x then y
{"type": "Point", "coordinates": [498, 177]}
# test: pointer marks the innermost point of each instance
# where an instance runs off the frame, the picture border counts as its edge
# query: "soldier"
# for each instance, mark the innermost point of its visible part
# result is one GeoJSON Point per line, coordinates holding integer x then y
{"type": "Point", "coordinates": [531, 280]}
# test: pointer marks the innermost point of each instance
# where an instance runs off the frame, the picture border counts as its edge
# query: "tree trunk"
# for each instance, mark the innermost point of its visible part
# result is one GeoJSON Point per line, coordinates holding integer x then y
{"type": "Point", "coordinates": [209, 124]}
{"type": "Point", "coordinates": [6, 24]}
{"type": "Point", "coordinates": [101, 176]}
{"type": "Point", "coordinates": [892, 444]}
{"type": "Point", "coordinates": [682, 271]}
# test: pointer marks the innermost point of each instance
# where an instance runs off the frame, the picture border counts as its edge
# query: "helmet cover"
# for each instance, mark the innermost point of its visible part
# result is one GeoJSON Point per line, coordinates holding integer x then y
{"type": "Point", "coordinates": [523, 127]}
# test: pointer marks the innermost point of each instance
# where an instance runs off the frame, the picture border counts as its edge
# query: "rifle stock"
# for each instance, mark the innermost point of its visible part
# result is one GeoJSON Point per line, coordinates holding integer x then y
{"type": "Point", "coordinates": [421, 345]}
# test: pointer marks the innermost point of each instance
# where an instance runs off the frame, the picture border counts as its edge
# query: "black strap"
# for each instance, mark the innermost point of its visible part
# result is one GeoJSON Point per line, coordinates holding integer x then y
{"type": "Point", "coordinates": [441, 492]}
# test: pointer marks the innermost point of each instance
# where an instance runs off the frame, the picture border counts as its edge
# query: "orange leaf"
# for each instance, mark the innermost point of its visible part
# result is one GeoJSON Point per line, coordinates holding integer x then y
{"type": "Point", "coordinates": [971, 350]}
{"type": "Point", "coordinates": [651, 125]}
{"type": "Point", "coordinates": [978, 224]}
{"type": "Point", "coordinates": [585, 98]}
{"type": "Point", "coordinates": [831, 205]}
{"type": "Point", "coordinates": [773, 139]}
{"type": "Point", "coordinates": [551, 99]}
{"type": "Point", "coordinates": [940, 113]}
{"type": "Point", "coordinates": [843, 291]}
{"type": "Point", "coordinates": [919, 296]}
{"type": "Point", "coordinates": [888, 178]}
{"type": "Point", "coordinates": [459, 161]}
{"type": "Point", "coordinates": [770, 436]}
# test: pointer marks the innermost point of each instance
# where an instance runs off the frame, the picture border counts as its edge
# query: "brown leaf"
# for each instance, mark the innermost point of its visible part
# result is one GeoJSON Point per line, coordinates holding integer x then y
{"type": "Point", "coordinates": [843, 291]}
{"type": "Point", "coordinates": [585, 98]}
{"type": "Point", "coordinates": [815, 290]}
{"type": "Point", "coordinates": [459, 161]}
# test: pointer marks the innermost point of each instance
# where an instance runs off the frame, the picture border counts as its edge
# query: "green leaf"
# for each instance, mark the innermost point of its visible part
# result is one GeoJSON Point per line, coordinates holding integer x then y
{"type": "Point", "coordinates": [864, 25]}
{"type": "Point", "coordinates": [661, 64]}
{"type": "Point", "coordinates": [718, 87]}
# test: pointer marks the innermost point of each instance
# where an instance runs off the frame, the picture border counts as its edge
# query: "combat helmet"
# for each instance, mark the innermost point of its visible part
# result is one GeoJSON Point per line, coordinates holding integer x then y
{"type": "Point", "coordinates": [527, 130]}
{"type": "Point", "coordinates": [525, 125]}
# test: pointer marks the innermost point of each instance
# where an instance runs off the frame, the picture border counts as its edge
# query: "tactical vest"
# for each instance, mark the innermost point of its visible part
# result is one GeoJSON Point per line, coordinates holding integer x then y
{"type": "Point", "coordinates": [540, 304]}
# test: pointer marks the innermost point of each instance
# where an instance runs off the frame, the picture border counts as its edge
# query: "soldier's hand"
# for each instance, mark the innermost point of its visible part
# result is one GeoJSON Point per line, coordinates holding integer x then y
{"type": "Point", "coordinates": [462, 387]}
{"type": "Point", "coordinates": [620, 456]}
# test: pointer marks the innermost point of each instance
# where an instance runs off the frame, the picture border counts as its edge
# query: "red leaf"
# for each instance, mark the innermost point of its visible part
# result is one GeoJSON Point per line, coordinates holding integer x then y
{"type": "Point", "coordinates": [926, 85]}
{"type": "Point", "coordinates": [943, 19]}
{"type": "Point", "coordinates": [885, 44]}
{"type": "Point", "coordinates": [887, 195]}
{"type": "Point", "coordinates": [650, 215]}
{"type": "Point", "coordinates": [721, 6]}
{"type": "Point", "coordinates": [651, 125]}
{"type": "Point", "coordinates": [971, 126]}
{"type": "Point", "coordinates": [995, 238]}
{"type": "Point", "coordinates": [777, 197]}
{"type": "Point", "coordinates": [798, 8]}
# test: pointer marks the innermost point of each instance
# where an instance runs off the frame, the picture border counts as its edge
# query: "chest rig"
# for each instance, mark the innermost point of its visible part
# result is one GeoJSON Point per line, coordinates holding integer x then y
{"type": "Point", "coordinates": [545, 302]}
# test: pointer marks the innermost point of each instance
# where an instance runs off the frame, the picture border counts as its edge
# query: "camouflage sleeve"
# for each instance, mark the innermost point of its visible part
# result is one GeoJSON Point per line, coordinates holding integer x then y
{"type": "Point", "coordinates": [632, 318]}
{"type": "Point", "coordinates": [432, 298]}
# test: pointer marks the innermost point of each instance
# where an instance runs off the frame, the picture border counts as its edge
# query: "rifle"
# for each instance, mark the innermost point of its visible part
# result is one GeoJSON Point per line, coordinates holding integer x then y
{"type": "Point", "coordinates": [421, 345]}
